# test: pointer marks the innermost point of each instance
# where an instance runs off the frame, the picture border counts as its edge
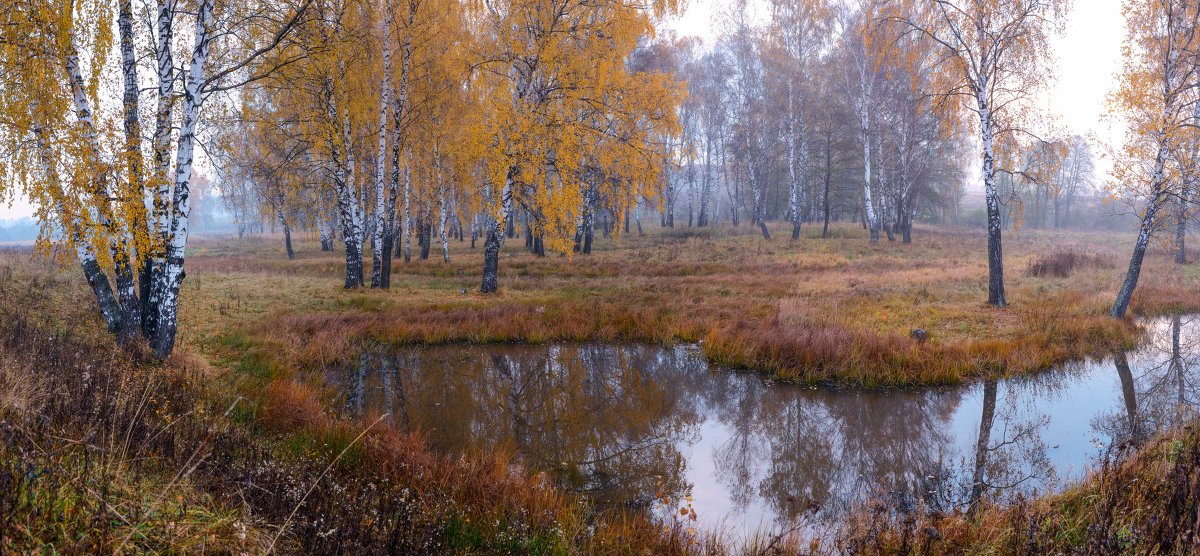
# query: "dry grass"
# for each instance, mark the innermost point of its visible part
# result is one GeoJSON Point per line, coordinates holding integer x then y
{"type": "Point", "coordinates": [836, 310]}
{"type": "Point", "coordinates": [257, 325]}
{"type": "Point", "coordinates": [1143, 502]}
{"type": "Point", "coordinates": [1060, 264]}
{"type": "Point", "coordinates": [104, 452]}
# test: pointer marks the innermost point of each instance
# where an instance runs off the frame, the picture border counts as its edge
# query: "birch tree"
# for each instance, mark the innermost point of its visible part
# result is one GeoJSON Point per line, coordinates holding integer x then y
{"type": "Point", "coordinates": [91, 181]}
{"type": "Point", "coordinates": [1156, 90]}
{"type": "Point", "coordinates": [799, 28]}
{"type": "Point", "coordinates": [995, 54]}
{"type": "Point", "coordinates": [862, 76]}
{"type": "Point", "coordinates": [558, 98]}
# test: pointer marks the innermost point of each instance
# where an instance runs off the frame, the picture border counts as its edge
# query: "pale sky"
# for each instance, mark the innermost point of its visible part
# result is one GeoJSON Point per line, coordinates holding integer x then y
{"type": "Point", "coordinates": [1088, 54]}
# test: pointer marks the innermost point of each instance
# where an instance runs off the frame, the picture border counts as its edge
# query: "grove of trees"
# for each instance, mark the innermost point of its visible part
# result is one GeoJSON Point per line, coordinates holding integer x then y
{"type": "Point", "coordinates": [367, 123]}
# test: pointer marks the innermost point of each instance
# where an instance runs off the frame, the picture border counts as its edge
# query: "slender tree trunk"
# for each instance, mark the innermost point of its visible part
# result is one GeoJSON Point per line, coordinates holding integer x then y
{"type": "Point", "coordinates": [323, 236]}
{"type": "Point", "coordinates": [443, 214]}
{"type": "Point", "coordinates": [637, 213]}
{"type": "Point", "coordinates": [983, 447]}
{"type": "Point", "coordinates": [348, 204]}
{"type": "Point", "coordinates": [1181, 228]}
{"type": "Point", "coordinates": [758, 186]}
{"type": "Point", "coordinates": [85, 251]}
{"type": "Point", "coordinates": [589, 230]}
{"type": "Point", "coordinates": [1129, 394]}
{"type": "Point", "coordinates": [389, 224]}
{"type": "Point", "coordinates": [287, 238]}
{"type": "Point", "coordinates": [825, 202]}
{"type": "Point", "coordinates": [868, 204]}
{"type": "Point", "coordinates": [154, 264]}
{"type": "Point", "coordinates": [793, 178]}
{"type": "Point", "coordinates": [995, 250]}
{"type": "Point", "coordinates": [379, 234]}
{"type": "Point", "coordinates": [181, 205]}
{"type": "Point", "coordinates": [407, 213]}
{"type": "Point", "coordinates": [1158, 194]}
{"type": "Point", "coordinates": [131, 306]}
{"type": "Point", "coordinates": [494, 239]}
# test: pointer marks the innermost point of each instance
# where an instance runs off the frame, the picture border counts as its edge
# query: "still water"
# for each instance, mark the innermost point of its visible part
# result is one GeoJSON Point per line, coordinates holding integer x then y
{"type": "Point", "coordinates": [629, 424]}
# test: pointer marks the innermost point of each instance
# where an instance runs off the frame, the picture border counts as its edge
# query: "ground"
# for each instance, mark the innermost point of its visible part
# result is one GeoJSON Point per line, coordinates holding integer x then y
{"type": "Point", "coordinates": [834, 310]}
{"type": "Point", "coordinates": [233, 445]}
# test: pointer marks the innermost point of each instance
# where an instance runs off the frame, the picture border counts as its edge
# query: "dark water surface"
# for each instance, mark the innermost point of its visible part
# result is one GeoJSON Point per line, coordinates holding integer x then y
{"type": "Point", "coordinates": [629, 424]}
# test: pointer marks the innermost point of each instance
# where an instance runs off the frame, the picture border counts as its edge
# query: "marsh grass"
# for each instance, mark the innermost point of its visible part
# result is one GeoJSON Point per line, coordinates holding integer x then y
{"type": "Point", "coordinates": [819, 311]}
{"type": "Point", "coordinates": [146, 458]}
{"type": "Point", "coordinates": [1060, 264]}
{"type": "Point", "coordinates": [1140, 501]}
{"type": "Point", "coordinates": [103, 451]}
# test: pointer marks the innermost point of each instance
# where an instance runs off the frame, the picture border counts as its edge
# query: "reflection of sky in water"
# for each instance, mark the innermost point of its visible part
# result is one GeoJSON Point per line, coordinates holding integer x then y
{"type": "Point", "coordinates": [625, 423]}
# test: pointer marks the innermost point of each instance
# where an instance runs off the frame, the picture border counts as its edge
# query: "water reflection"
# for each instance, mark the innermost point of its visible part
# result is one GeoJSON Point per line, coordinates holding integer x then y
{"type": "Point", "coordinates": [604, 420]}
{"type": "Point", "coordinates": [625, 424]}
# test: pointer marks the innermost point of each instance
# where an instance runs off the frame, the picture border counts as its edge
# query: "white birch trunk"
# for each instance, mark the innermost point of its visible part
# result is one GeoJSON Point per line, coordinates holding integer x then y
{"type": "Point", "coordinates": [442, 217]}
{"type": "Point", "coordinates": [792, 159]}
{"type": "Point", "coordinates": [173, 273]}
{"type": "Point", "coordinates": [380, 216]}
{"type": "Point", "coordinates": [159, 179]}
{"type": "Point", "coordinates": [407, 211]}
{"type": "Point", "coordinates": [864, 123]}
{"type": "Point", "coordinates": [995, 252]}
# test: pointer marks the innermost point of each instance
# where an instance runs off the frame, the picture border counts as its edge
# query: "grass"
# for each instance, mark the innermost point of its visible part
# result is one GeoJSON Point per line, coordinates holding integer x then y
{"type": "Point", "coordinates": [233, 446]}
{"type": "Point", "coordinates": [818, 311]}
{"type": "Point", "coordinates": [1142, 502]}
{"type": "Point", "coordinates": [105, 451]}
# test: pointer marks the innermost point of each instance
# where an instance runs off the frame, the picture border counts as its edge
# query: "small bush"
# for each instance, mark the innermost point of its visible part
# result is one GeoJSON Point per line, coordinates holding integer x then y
{"type": "Point", "coordinates": [1061, 264]}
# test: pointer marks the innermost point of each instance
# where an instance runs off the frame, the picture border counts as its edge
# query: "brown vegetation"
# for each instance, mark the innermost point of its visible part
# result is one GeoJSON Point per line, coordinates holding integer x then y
{"type": "Point", "coordinates": [1060, 264]}
{"type": "Point", "coordinates": [1137, 503]}
{"type": "Point", "coordinates": [184, 466]}
{"type": "Point", "coordinates": [812, 310]}
{"type": "Point", "coordinates": [104, 452]}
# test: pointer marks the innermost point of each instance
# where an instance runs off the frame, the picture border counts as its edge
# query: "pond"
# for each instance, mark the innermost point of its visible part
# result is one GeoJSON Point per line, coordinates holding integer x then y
{"type": "Point", "coordinates": [630, 425]}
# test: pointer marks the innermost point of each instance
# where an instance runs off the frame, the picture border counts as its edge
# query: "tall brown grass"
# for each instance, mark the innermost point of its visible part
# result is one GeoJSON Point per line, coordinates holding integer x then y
{"type": "Point", "coordinates": [1140, 501]}
{"type": "Point", "coordinates": [833, 311]}
{"type": "Point", "coordinates": [104, 452]}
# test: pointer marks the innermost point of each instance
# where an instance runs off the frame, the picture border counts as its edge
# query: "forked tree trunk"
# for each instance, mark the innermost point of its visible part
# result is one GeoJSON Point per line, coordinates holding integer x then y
{"type": "Point", "coordinates": [127, 328]}
{"type": "Point", "coordinates": [173, 274]}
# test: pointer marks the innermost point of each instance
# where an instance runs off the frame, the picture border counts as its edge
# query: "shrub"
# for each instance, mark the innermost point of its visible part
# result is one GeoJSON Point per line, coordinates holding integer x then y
{"type": "Point", "coordinates": [1060, 264]}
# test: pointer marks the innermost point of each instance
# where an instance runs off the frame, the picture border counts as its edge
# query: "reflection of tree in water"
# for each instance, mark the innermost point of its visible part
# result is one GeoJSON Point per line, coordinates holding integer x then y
{"type": "Point", "coordinates": [800, 448]}
{"type": "Point", "coordinates": [605, 420]}
{"type": "Point", "coordinates": [1009, 455]}
{"type": "Point", "coordinates": [612, 421]}
{"type": "Point", "coordinates": [1160, 382]}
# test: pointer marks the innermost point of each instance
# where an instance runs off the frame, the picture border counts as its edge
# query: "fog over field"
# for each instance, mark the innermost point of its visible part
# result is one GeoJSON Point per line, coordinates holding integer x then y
{"type": "Point", "coordinates": [599, 277]}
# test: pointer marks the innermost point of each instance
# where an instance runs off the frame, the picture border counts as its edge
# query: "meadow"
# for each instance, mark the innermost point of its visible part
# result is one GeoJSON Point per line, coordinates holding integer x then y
{"type": "Point", "coordinates": [235, 444]}
{"type": "Point", "coordinates": [832, 311]}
